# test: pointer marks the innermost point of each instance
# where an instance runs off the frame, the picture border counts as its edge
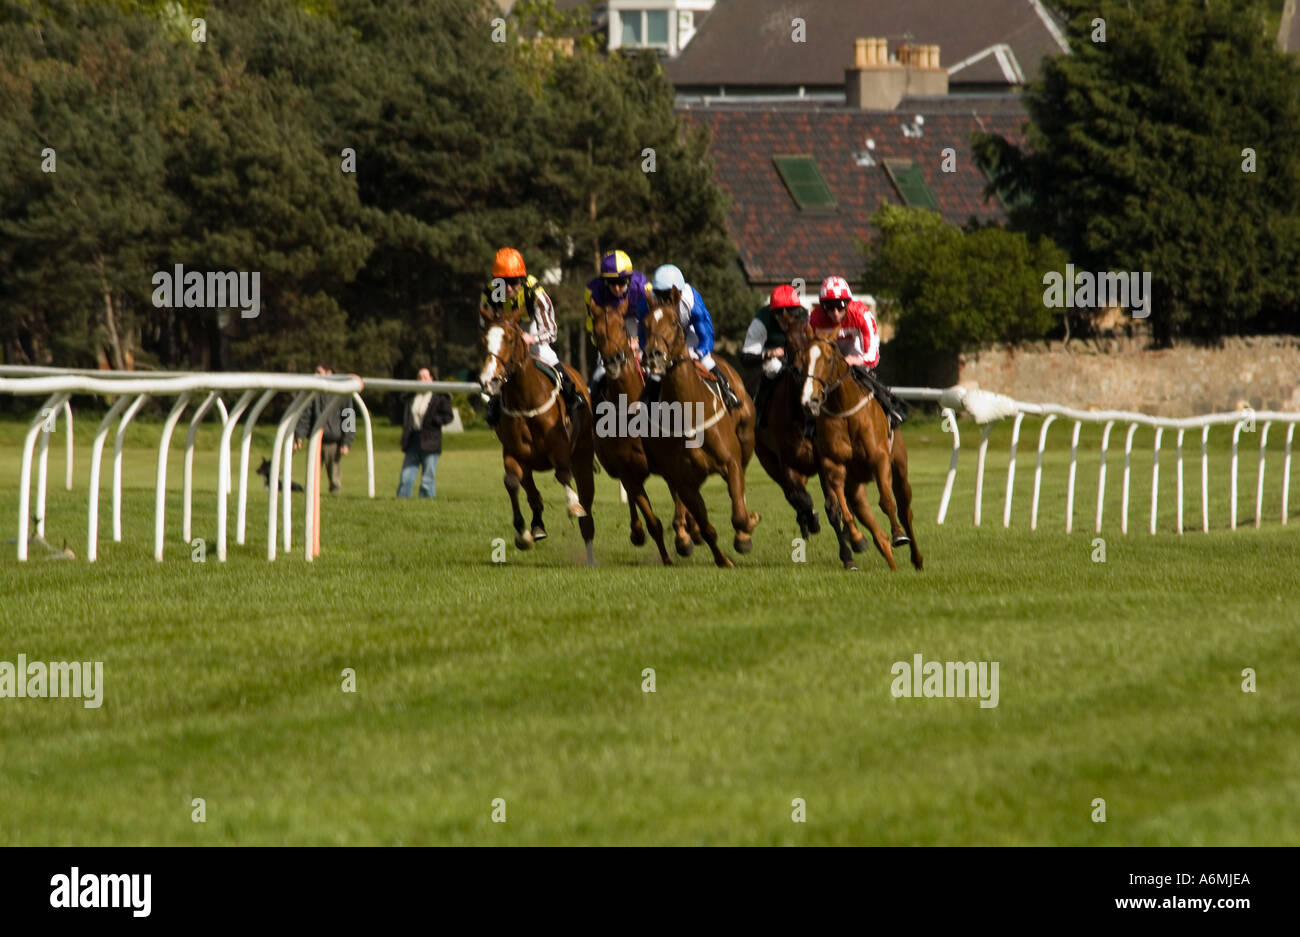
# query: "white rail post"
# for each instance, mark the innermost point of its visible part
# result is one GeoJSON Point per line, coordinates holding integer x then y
{"type": "Point", "coordinates": [131, 411]}
{"type": "Point", "coordinates": [67, 412]}
{"type": "Point", "coordinates": [96, 458]}
{"type": "Point", "coordinates": [1155, 476]}
{"type": "Point", "coordinates": [25, 471]}
{"type": "Point", "coordinates": [979, 470]}
{"type": "Point", "coordinates": [950, 419]}
{"type": "Point", "coordinates": [1286, 470]}
{"type": "Point", "coordinates": [1232, 493]}
{"type": "Point", "coordinates": [1038, 470]}
{"type": "Point", "coordinates": [277, 454]}
{"type": "Point", "coordinates": [1011, 470]}
{"type": "Point", "coordinates": [1180, 482]}
{"type": "Point", "coordinates": [312, 488]}
{"type": "Point", "coordinates": [187, 497]}
{"type": "Point", "coordinates": [1205, 479]}
{"type": "Point", "coordinates": [370, 446]}
{"type": "Point", "coordinates": [1259, 481]}
{"type": "Point", "coordinates": [225, 418]}
{"type": "Point", "coordinates": [224, 473]}
{"type": "Point", "coordinates": [1074, 464]}
{"type": "Point", "coordinates": [160, 497]}
{"type": "Point", "coordinates": [1128, 454]}
{"type": "Point", "coordinates": [42, 464]}
{"type": "Point", "coordinates": [245, 444]}
{"type": "Point", "coordinates": [1101, 473]}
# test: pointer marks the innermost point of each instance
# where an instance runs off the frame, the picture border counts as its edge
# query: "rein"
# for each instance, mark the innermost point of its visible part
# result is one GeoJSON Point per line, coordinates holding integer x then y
{"type": "Point", "coordinates": [524, 414]}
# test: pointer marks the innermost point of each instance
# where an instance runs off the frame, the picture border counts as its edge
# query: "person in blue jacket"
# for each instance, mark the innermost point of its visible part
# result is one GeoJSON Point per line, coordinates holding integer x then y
{"type": "Point", "coordinates": [696, 322]}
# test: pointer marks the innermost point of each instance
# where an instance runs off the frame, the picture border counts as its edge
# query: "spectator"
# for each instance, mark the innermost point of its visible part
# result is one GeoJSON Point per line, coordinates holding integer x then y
{"type": "Point", "coordinates": [336, 441]}
{"type": "Point", "coordinates": [423, 418]}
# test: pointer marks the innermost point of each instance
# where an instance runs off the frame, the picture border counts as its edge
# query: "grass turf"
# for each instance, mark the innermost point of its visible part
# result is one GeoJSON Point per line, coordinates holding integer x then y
{"type": "Point", "coordinates": [523, 681]}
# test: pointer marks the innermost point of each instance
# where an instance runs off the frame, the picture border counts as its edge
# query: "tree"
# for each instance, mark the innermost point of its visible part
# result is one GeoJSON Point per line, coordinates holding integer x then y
{"type": "Point", "coordinates": [1136, 157]}
{"type": "Point", "coordinates": [950, 292]}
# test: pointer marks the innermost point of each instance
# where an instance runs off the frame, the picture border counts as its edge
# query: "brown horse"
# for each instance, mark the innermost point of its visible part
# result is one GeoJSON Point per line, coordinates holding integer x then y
{"type": "Point", "coordinates": [854, 446]}
{"type": "Point", "coordinates": [624, 456]}
{"type": "Point", "coordinates": [536, 432]}
{"type": "Point", "coordinates": [783, 451]}
{"type": "Point", "coordinates": [721, 443]}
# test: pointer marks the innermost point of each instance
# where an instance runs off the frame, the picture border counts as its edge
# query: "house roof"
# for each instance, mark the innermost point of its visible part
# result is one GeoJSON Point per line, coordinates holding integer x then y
{"type": "Point", "coordinates": [748, 42]}
{"type": "Point", "coordinates": [778, 241]}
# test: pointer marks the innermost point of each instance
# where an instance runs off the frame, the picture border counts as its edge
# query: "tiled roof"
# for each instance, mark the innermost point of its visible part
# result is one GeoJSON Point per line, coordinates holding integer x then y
{"type": "Point", "coordinates": [776, 240]}
{"type": "Point", "coordinates": [748, 42]}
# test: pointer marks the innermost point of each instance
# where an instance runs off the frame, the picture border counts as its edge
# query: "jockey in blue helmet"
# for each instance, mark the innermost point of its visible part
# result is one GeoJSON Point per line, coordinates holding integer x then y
{"type": "Point", "coordinates": [695, 319]}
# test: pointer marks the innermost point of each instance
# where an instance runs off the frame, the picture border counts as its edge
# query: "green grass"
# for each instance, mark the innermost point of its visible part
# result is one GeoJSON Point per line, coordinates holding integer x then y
{"type": "Point", "coordinates": [1119, 680]}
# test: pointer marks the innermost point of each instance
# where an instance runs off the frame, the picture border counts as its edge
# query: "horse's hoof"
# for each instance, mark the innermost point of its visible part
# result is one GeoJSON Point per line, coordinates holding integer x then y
{"type": "Point", "coordinates": [523, 540]}
{"type": "Point", "coordinates": [859, 546]}
{"type": "Point", "coordinates": [743, 546]}
{"type": "Point", "coordinates": [814, 525]}
{"type": "Point", "coordinates": [685, 548]}
{"type": "Point", "coordinates": [539, 533]}
{"type": "Point", "coordinates": [901, 540]}
{"type": "Point", "coordinates": [723, 562]}
{"type": "Point", "coordinates": [754, 518]}
{"type": "Point", "coordinates": [851, 567]}
{"type": "Point", "coordinates": [638, 536]}
{"type": "Point", "coordinates": [576, 510]}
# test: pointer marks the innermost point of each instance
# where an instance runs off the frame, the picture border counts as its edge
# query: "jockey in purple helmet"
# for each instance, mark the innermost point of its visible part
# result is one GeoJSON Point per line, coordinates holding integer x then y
{"type": "Point", "coordinates": [617, 287]}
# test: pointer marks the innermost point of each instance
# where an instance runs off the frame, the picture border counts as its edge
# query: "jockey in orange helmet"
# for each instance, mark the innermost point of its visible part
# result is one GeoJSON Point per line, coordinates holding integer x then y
{"type": "Point", "coordinates": [512, 288]}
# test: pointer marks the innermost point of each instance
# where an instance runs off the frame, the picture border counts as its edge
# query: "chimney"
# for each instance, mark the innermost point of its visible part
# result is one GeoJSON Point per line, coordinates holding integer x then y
{"type": "Point", "coordinates": [876, 84]}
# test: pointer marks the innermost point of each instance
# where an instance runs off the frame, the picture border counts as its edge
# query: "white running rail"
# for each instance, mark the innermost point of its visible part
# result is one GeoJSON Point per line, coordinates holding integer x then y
{"type": "Point", "coordinates": [986, 408]}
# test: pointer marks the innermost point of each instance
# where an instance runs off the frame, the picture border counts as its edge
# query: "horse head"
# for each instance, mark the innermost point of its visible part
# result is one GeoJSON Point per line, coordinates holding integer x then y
{"type": "Point", "coordinates": [609, 335]}
{"type": "Point", "coordinates": [824, 369]}
{"type": "Point", "coordinates": [504, 352]}
{"type": "Point", "coordinates": [665, 339]}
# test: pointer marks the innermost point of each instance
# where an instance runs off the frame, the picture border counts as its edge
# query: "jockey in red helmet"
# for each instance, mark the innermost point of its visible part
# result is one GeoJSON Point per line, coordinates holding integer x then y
{"type": "Point", "coordinates": [852, 326]}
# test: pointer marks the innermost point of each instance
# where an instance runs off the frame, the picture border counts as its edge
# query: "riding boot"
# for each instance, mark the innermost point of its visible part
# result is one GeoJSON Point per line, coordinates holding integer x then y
{"type": "Point", "coordinates": [650, 393]}
{"type": "Point", "coordinates": [893, 405]}
{"type": "Point", "coordinates": [729, 395]}
{"type": "Point", "coordinates": [597, 387]}
{"type": "Point", "coordinates": [493, 415]}
{"type": "Point", "coordinates": [569, 391]}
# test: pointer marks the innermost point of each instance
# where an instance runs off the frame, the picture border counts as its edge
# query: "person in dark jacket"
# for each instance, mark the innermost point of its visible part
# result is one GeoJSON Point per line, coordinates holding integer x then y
{"type": "Point", "coordinates": [423, 418]}
{"type": "Point", "coordinates": [340, 432]}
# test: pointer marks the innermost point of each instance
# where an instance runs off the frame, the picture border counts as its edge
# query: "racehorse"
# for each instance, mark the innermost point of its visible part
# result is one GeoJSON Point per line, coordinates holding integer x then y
{"type": "Point", "coordinates": [782, 449]}
{"type": "Point", "coordinates": [536, 432]}
{"type": "Point", "coordinates": [722, 443]}
{"type": "Point", "coordinates": [624, 457]}
{"type": "Point", "coordinates": [854, 445]}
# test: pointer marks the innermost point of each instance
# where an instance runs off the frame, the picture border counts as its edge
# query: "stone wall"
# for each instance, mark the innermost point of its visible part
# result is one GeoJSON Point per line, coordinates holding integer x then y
{"type": "Point", "coordinates": [1125, 374]}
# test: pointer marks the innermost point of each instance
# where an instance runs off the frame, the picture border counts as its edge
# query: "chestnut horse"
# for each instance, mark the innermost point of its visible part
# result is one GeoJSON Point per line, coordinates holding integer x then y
{"type": "Point", "coordinates": [625, 457]}
{"type": "Point", "coordinates": [536, 432]}
{"type": "Point", "coordinates": [854, 445]}
{"type": "Point", "coordinates": [722, 443]}
{"type": "Point", "coordinates": [783, 451]}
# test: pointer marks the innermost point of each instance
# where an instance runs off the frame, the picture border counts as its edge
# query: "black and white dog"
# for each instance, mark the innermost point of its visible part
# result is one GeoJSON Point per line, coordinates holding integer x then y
{"type": "Point", "coordinates": [265, 471]}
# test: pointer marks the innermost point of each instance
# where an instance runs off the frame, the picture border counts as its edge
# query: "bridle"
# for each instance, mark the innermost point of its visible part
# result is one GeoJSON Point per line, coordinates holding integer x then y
{"type": "Point", "coordinates": [651, 338]}
{"type": "Point", "coordinates": [828, 387]}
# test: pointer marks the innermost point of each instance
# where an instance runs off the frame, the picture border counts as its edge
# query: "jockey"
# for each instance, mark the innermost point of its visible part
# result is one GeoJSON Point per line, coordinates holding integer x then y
{"type": "Point", "coordinates": [695, 320]}
{"type": "Point", "coordinates": [512, 288]}
{"type": "Point", "coordinates": [765, 342]}
{"type": "Point", "coordinates": [853, 326]}
{"type": "Point", "coordinates": [612, 289]}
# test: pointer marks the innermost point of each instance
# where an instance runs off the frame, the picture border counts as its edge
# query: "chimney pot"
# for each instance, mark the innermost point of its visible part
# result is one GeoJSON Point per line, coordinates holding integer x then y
{"type": "Point", "coordinates": [863, 53]}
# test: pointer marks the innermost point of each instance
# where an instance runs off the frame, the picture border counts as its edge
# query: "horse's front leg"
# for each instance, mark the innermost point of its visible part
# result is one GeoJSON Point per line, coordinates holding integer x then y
{"type": "Point", "coordinates": [513, 480]}
{"type": "Point", "coordinates": [831, 475]}
{"type": "Point", "coordinates": [535, 503]}
{"type": "Point", "coordinates": [743, 521]}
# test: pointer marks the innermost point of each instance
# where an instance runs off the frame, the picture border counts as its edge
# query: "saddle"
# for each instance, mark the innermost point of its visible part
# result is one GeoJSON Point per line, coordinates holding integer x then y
{"type": "Point", "coordinates": [710, 381]}
{"type": "Point", "coordinates": [552, 374]}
